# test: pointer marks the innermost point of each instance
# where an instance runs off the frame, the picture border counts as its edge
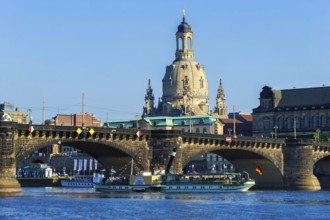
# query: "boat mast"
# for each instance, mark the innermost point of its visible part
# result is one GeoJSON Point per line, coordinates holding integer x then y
{"type": "Point", "coordinates": [132, 166]}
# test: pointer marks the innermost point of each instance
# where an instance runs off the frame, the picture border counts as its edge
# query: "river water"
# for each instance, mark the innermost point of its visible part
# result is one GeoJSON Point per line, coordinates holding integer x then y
{"type": "Point", "coordinates": [74, 203]}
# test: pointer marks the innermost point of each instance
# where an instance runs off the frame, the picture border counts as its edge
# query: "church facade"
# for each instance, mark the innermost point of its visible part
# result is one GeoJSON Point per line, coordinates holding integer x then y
{"type": "Point", "coordinates": [185, 86]}
{"type": "Point", "coordinates": [293, 112]}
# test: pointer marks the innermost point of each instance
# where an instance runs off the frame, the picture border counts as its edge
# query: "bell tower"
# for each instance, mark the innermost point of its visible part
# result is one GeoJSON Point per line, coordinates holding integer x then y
{"type": "Point", "coordinates": [185, 85]}
{"type": "Point", "coordinates": [184, 40]}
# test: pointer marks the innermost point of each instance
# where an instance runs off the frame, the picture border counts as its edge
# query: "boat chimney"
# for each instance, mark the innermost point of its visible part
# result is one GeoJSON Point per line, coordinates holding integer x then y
{"type": "Point", "coordinates": [170, 162]}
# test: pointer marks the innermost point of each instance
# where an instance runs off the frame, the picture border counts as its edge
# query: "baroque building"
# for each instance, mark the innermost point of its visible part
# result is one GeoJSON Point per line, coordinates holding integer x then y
{"type": "Point", "coordinates": [184, 104]}
{"type": "Point", "coordinates": [185, 85]}
{"type": "Point", "coordinates": [292, 111]}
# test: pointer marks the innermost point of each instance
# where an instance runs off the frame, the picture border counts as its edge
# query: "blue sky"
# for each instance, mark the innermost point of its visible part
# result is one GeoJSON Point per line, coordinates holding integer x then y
{"type": "Point", "coordinates": [109, 49]}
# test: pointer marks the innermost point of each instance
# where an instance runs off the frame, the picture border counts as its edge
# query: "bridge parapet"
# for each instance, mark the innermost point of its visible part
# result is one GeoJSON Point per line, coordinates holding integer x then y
{"type": "Point", "coordinates": [240, 141]}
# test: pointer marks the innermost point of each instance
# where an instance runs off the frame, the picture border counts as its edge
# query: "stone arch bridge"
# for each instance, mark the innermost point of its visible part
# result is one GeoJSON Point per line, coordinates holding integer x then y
{"type": "Point", "coordinates": [286, 164]}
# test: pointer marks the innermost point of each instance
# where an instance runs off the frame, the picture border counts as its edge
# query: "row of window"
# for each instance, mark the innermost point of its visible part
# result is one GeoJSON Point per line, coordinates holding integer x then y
{"type": "Point", "coordinates": [198, 130]}
{"type": "Point", "coordinates": [180, 43]}
{"type": "Point", "coordinates": [300, 122]}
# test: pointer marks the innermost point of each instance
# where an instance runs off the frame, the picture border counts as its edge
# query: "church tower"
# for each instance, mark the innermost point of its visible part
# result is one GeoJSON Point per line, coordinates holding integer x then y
{"type": "Point", "coordinates": [185, 86]}
{"type": "Point", "coordinates": [149, 98]}
{"type": "Point", "coordinates": [221, 108]}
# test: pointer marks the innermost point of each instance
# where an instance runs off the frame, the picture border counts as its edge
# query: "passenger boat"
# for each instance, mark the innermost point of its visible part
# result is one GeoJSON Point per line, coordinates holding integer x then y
{"type": "Point", "coordinates": [226, 182]}
{"type": "Point", "coordinates": [169, 183]}
{"type": "Point", "coordinates": [82, 181]}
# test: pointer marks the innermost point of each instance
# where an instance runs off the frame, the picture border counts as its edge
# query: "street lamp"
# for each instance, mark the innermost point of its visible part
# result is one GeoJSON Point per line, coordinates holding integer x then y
{"type": "Point", "coordinates": [275, 128]}
{"type": "Point", "coordinates": [137, 122]}
{"type": "Point", "coordinates": [229, 131]}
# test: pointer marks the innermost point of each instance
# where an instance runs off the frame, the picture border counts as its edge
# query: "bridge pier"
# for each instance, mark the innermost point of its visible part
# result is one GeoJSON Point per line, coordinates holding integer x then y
{"type": "Point", "coordinates": [298, 166]}
{"type": "Point", "coordinates": [8, 182]}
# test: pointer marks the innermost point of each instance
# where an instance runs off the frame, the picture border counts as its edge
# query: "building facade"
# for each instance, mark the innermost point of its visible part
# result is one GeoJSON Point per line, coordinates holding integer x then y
{"type": "Point", "coordinates": [86, 119]}
{"type": "Point", "coordinates": [184, 104]}
{"type": "Point", "coordinates": [292, 112]}
{"type": "Point", "coordinates": [185, 85]}
{"type": "Point", "coordinates": [9, 113]}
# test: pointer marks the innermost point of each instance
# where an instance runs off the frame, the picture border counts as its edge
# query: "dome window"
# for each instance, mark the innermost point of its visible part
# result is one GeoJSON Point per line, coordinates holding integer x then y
{"type": "Point", "coordinates": [201, 83]}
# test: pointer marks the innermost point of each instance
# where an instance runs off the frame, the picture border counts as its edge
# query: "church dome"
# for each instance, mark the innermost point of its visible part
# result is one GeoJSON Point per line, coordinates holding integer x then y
{"type": "Point", "coordinates": [185, 86]}
{"type": "Point", "coordinates": [185, 76]}
{"type": "Point", "coordinates": [184, 27]}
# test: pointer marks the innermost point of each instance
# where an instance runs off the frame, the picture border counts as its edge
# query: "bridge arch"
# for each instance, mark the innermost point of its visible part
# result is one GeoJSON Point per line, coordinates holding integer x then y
{"type": "Point", "coordinates": [322, 170]}
{"type": "Point", "coordinates": [110, 154]}
{"type": "Point", "coordinates": [247, 159]}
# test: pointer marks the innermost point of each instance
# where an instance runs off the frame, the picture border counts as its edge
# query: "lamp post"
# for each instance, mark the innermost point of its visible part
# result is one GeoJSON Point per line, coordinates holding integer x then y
{"type": "Point", "coordinates": [275, 128]}
{"type": "Point", "coordinates": [229, 131]}
{"type": "Point", "coordinates": [59, 145]}
{"type": "Point", "coordinates": [272, 134]}
{"type": "Point", "coordinates": [137, 122]}
{"type": "Point", "coordinates": [234, 132]}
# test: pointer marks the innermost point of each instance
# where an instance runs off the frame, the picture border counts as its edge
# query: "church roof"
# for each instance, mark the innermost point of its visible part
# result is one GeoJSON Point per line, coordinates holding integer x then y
{"type": "Point", "coordinates": [316, 96]}
{"type": "Point", "coordinates": [184, 26]}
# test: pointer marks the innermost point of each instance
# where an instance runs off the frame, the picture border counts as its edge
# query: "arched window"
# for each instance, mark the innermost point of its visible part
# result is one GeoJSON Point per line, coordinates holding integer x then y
{"type": "Point", "coordinates": [201, 83]}
{"type": "Point", "coordinates": [298, 122]}
{"type": "Point", "coordinates": [315, 120]}
{"type": "Point", "coordinates": [180, 46]}
{"type": "Point", "coordinates": [170, 82]}
{"type": "Point", "coordinates": [197, 131]}
{"type": "Point", "coordinates": [189, 43]}
{"type": "Point", "coordinates": [323, 121]}
{"type": "Point", "coordinates": [204, 130]}
{"type": "Point", "coordinates": [305, 122]}
{"type": "Point", "coordinates": [280, 122]}
{"type": "Point", "coordinates": [289, 123]}
{"type": "Point", "coordinates": [266, 123]}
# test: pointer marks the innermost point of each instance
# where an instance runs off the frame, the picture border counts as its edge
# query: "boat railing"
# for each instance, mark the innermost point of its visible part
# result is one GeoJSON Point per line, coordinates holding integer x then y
{"type": "Point", "coordinates": [203, 182]}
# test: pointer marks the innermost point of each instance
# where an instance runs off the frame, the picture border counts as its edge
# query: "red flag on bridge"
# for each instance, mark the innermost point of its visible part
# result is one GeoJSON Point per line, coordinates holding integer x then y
{"type": "Point", "coordinates": [138, 133]}
{"type": "Point", "coordinates": [31, 129]}
{"type": "Point", "coordinates": [259, 170]}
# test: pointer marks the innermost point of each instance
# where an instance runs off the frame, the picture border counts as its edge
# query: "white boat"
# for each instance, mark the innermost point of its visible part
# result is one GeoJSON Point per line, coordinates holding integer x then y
{"type": "Point", "coordinates": [227, 182]}
{"type": "Point", "coordinates": [179, 183]}
{"type": "Point", "coordinates": [83, 181]}
{"type": "Point", "coordinates": [168, 183]}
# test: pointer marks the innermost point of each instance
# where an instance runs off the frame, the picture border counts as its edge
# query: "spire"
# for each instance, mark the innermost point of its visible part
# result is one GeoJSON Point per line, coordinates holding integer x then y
{"type": "Point", "coordinates": [221, 92]}
{"type": "Point", "coordinates": [149, 98]}
{"type": "Point", "coordinates": [183, 16]}
{"type": "Point", "coordinates": [221, 108]}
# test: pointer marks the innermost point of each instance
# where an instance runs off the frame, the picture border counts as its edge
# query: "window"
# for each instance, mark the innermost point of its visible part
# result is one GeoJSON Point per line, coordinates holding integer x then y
{"type": "Point", "coordinates": [298, 122]}
{"type": "Point", "coordinates": [266, 123]}
{"type": "Point", "coordinates": [201, 83]}
{"type": "Point", "coordinates": [180, 46]}
{"type": "Point", "coordinates": [289, 122]}
{"type": "Point", "coordinates": [189, 43]}
{"type": "Point", "coordinates": [280, 122]}
{"type": "Point", "coordinates": [170, 82]}
{"type": "Point", "coordinates": [323, 121]}
{"type": "Point", "coordinates": [306, 121]}
{"type": "Point", "coordinates": [315, 121]}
